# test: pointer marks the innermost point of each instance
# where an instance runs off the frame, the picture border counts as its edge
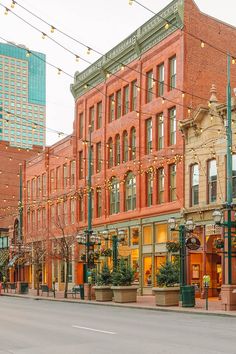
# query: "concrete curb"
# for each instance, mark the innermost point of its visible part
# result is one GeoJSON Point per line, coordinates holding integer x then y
{"type": "Point", "coordinates": [127, 305]}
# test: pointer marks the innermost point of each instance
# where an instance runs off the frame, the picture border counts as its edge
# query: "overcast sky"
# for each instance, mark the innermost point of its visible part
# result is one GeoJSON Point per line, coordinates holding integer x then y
{"type": "Point", "coordinates": [100, 24]}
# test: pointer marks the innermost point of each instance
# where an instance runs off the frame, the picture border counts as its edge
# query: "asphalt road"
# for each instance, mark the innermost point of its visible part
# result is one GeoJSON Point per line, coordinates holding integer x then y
{"type": "Point", "coordinates": [32, 327]}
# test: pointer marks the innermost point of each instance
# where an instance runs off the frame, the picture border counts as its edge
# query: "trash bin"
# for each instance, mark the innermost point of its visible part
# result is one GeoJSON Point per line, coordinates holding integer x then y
{"type": "Point", "coordinates": [23, 288]}
{"type": "Point", "coordinates": [188, 296]}
{"type": "Point", "coordinates": [81, 286]}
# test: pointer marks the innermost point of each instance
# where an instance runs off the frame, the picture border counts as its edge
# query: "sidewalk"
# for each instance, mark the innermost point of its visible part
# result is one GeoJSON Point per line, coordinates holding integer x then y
{"type": "Point", "coordinates": [143, 302]}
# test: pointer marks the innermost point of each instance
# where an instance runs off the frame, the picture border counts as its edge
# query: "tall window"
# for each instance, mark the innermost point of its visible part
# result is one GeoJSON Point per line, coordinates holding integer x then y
{"type": "Point", "coordinates": [172, 174]}
{"type": "Point", "coordinates": [149, 185]}
{"type": "Point", "coordinates": [149, 86]}
{"type": "Point", "coordinates": [118, 104]}
{"type": "Point", "coordinates": [81, 125]}
{"type": "Point", "coordinates": [161, 78]}
{"type": "Point", "coordinates": [81, 208]}
{"type": "Point", "coordinates": [130, 192]}
{"type": "Point", "coordinates": [72, 211]}
{"type": "Point", "coordinates": [125, 147]}
{"type": "Point", "coordinates": [160, 131]}
{"type": "Point", "coordinates": [117, 150]}
{"type": "Point", "coordinates": [149, 136]}
{"type": "Point", "coordinates": [160, 185]}
{"type": "Point", "coordinates": [33, 188]}
{"type": "Point", "coordinates": [58, 177]}
{"type": "Point", "coordinates": [65, 212]}
{"type": "Point", "coordinates": [65, 175]}
{"type": "Point", "coordinates": [134, 95]}
{"type": "Point", "coordinates": [212, 181]}
{"type": "Point", "coordinates": [111, 108]}
{"type": "Point", "coordinates": [38, 186]}
{"type": "Point", "coordinates": [133, 143]}
{"type": "Point", "coordinates": [114, 196]}
{"type": "Point", "coordinates": [43, 217]}
{"type": "Point", "coordinates": [91, 118]}
{"type": "Point", "coordinates": [99, 202]}
{"type": "Point", "coordinates": [99, 157]}
{"type": "Point", "coordinates": [110, 153]}
{"type": "Point", "coordinates": [172, 119]}
{"type": "Point", "coordinates": [172, 73]}
{"type": "Point", "coordinates": [126, 99]}
{"type": "Point", "coordinates": [99, 115]}
{"type": "Point", "coordinates": [52, 181]}
{"type": "Point", "coordinates": [72, 173]}
{"type": "Point", "coordinates": [234, 176]}
{"type": "Point", "coordinates": [28, 190]}
{"type": "Point", "coordinates": [81, 164]}
{"type": "Point", "coordinates": [44, 187]}
{"type": "Point", "coordinates": [194, 174]}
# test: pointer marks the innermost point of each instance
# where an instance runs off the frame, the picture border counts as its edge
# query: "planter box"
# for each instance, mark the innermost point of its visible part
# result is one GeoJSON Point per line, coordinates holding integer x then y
{"type": "Point", "coordinates": [103, 293]}
{"type": "Point", "coordinates": [167, 296]}
{"type": "Point", "coordinates": [125, 293]}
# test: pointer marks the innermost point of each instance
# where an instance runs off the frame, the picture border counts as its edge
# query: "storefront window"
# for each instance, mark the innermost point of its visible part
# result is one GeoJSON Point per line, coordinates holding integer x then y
{"type": "Point", "coordinates": [159, 261]}
{"type": "Point", "coordinates": [147, 235]}
{"type": "Point", "coordinates": [161, 231]}
{"type": "Point", "coordinates": [147, 271]}
{"type": "Point", "coordinates": [134, 237]}
{"type": "Point", "coordinates": [135, 263]}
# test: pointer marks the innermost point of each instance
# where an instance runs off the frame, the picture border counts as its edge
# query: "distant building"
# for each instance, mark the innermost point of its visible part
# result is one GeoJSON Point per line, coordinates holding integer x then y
{"type": "Point", "coordinates": [22, 96]}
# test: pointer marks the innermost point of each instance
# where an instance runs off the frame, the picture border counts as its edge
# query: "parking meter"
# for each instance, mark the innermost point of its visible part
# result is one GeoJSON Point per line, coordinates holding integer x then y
{"type": "Point", "coordinates": [206, 282]}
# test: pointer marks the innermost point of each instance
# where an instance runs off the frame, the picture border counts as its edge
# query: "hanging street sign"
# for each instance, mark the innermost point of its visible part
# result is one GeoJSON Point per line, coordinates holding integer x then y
{"type": "Point", "coordinates": [193, 243]}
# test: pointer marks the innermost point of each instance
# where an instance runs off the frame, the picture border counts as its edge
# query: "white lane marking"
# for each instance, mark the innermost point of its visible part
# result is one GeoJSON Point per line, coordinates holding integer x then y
{"type": "Point", "coordinates": [93, 329]}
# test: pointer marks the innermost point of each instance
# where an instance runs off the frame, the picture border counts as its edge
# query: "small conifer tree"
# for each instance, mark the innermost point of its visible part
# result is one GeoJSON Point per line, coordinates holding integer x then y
{"type": "Point", "coordinates": [168, 274]}
{"type": "Point", "coordinates": [104, 278]}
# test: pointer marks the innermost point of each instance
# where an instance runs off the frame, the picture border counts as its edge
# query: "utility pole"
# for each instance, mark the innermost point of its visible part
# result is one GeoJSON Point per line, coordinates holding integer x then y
{"type": "Point", "coordinates": [229, 170]}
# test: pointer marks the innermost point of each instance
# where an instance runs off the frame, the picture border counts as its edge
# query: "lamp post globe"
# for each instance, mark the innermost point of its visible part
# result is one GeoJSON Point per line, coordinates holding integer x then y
{"type": "Point", "coordinates": [121, 235]}
{"type": "Point", "coordinates": [190, 226]}
{"type": "Point", "coordinates": [172, 223]}
{"type": "Point", "coordinates": [217, 216]}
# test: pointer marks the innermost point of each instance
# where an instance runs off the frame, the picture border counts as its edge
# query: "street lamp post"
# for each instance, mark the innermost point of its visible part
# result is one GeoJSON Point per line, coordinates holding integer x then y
{"type": "Point", "coordinates": [183, 229]}
{"type": "Point", "coordinates": [88, 239]}
{"type": "Point", "coordinates": [116, 238]}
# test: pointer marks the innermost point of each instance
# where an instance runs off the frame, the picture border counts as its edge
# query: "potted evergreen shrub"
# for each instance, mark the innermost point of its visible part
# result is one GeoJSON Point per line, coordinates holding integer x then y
{"type": "Point", "coordinates": [122, 278]}
{"type": "Point", "coordinates": [102, 288]}
{"type": "Point", "coordinates": [167, 292]}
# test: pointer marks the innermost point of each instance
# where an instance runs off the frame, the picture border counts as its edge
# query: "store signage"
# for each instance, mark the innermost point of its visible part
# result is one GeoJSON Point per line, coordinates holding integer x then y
{"type": "Point", "coordinates": [193, 243]}
{"type": "Point", "coordinates": [124, 251]}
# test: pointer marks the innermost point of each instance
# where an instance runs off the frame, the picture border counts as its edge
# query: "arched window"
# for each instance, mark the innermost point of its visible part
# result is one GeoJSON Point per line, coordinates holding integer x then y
{"type": "Point", "coordinates": [110, 153]}
{"type": "Point", "coordinates": [194, 173]}
{"type": "Point", "coordinates": [149, 188]}
{"type": "Point", "coordinates": [125, 147]}
{"type": "Point", "coordinates": [117, 150]}
{"type": "Point", "coordinates": [114, 196]}
{"type": "Point", "coordinates": [130, 192]}
{"type": "Point", "coordinates": [212, 181]}
{"type": "Point", "coordinates": [133, 144]}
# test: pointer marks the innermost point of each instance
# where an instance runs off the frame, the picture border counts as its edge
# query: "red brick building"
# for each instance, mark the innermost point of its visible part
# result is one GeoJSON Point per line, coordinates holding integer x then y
{"type": "Point", "coordinates": [133, 98]}
{"type": "Point", "coordinates": [12, 159]}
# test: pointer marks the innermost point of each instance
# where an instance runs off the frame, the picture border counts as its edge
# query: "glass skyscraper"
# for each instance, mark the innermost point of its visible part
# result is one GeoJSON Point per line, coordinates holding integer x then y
{"type": "Point", "coordinates": [22, 96]}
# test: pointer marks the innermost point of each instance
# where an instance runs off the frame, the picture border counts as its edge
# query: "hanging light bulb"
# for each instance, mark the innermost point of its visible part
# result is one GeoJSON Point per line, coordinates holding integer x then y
{"type": "Point", "coordinates": [52, 29]}
{"type": "Point", "coordinates": [88, 50]}
{"type": "Point", "coordinates": [130, 2]}
{"type": "Point", "coordinates": [189, 110]}
{"type": "Point", "coordinates": [167, 25]}
{"type": "Point", "coordinates": [77, 58]}
{"type": "Point", "coordinates": [43, 35]}
{"type": "Point", "coordinates": [122, 68]}
{"type": "Point", "coordinates": [163, 100]}
{"type": "Point", "coordinates": [202, 44]}
{"type": "Point", "coordinates": [233, 61]}
{"type": "Point", "coordinates": [6, 11]}
{"type": "Point", "coordinates": [107, 75]}
{"type": "Point", "coordinates": [59, 71]}
{"type": "Point", "coordinates": [13, 4]}
{"type": "Point", "coordinates": [28, 53]}
{"type": "Point", "coordinates": [183, 94]}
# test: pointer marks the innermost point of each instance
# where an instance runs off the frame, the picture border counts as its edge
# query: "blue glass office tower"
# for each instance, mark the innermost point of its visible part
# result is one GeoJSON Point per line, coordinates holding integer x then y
{"type": "Point", "coordinates": [22, 96]}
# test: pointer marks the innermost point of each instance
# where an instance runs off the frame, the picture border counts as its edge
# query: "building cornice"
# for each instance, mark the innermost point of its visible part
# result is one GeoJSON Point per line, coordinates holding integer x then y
{"type": "Point", "coordinates": [140, 41]}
